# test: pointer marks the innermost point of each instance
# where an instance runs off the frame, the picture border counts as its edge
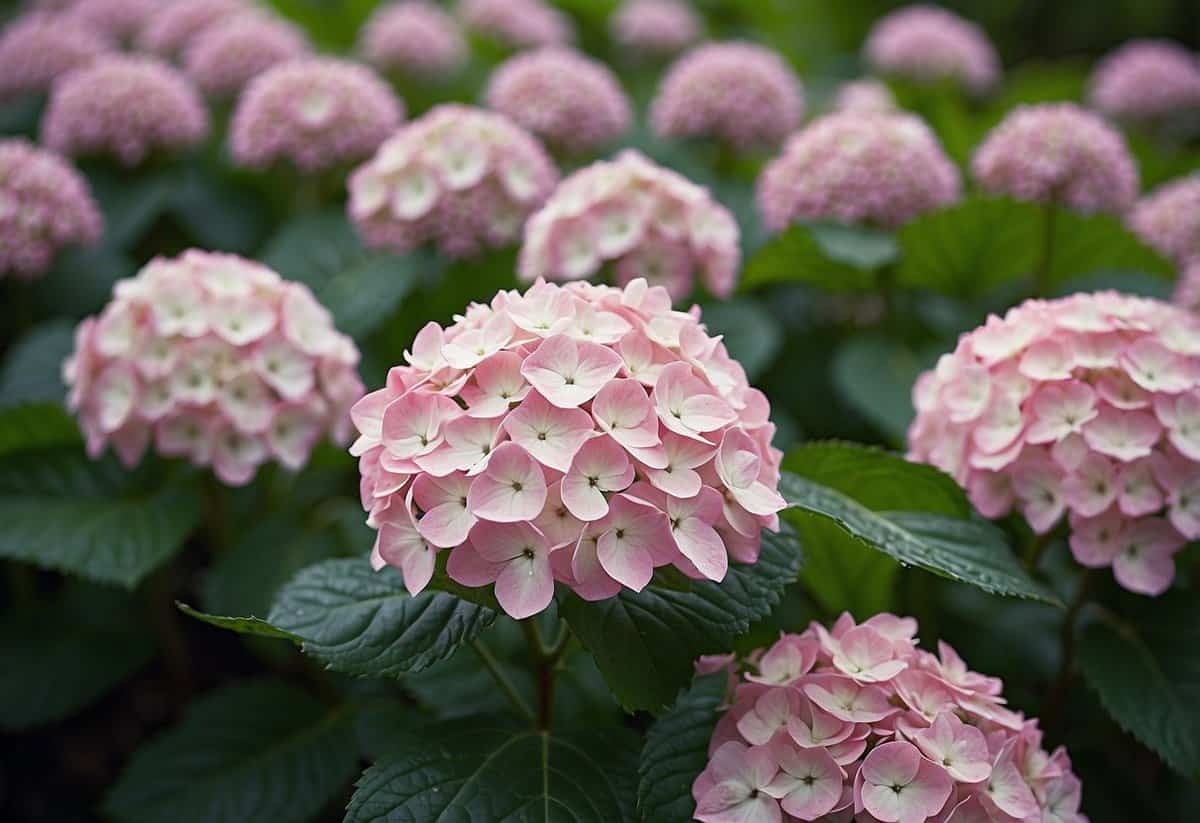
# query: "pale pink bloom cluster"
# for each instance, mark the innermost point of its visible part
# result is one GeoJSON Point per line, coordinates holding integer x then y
{"type": "Point", "coordinates": [44, 205]}
{"type": "Point", "coordinates": [740, 93]}
{"type": "Point", "coordinates": [1187, 290]}
{"type": "Point", "coordinates": [1147, 79]}
{"type": "Point", "coordinates": [639, 218]}
{"type": "Point", "coordinates": [461, 177]}
{"type": "Point", "coordinates": [1169, 219]}
{"type": "Point", "coordinates": [126, 107]}
{"type": "Point", "coordinates": [926, 43]}
{"type": "Point", "coordinates": [865, 96]}
{"type": "Point", "coordinates": [1058, 152]}
{"type": "Point", "coordinates": [315, 112]}
{"type": "Point", "coordinates": [174, 25]}
{"type": "Point", "coordinates": [1086, 406]}
{"type": "Point", "coordinates": [231, 52]}
{"type": "Point", "coordinates": [659, 27]}
{"type": "Point", "coordinates": [582, 434]}
{"type": "Point", "coordinates": [857, 167]}
{"type": "Point", "coordinates": [519, 24]}
{"type": "Point", "coordinates": [859, 724]}
{"type": "Point", "coordinates": [116, 20]}
{"type": "Point", "coordinates": [413, 37]}
{"type": "Point", "coordinates": [215, 359]}
{"type": "Point", "coordinates": [564, 97]}
{"type": "Point", "coordinates": [38, 48]}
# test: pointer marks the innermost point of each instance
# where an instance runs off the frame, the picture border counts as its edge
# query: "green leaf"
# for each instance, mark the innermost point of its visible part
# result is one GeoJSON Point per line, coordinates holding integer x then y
{"type": "Point", "coordinates": [80, 282]}
{"type": "Point", "coordinates": [254, 626]}
{"type": "Point", "coordinates": [360, 287]}
{"type": "Point", "coordinates": [970, 551]}
{"type": "Point", "coordinates": [32, 371]}
{"type": "Point", "coordinates": [474, 770]}
{"type": "Point", "coordinates": [63, 654]}
{"type": "Point", "coordinates": [646, 642]}
{"type": "Point", "coordinates": [971, 247]}
{"type": "Point", "coordinates": [1087, 244]}
{"type": "Point", "coordinates": [752, 335]}
{"type": "Point", "coordinates": [362, 622]}
{"type": "Point", "coordinates": [62, 511]}
{"type": "Point", "coordinates": [676, 751]}
{"type": "Point", "coordinates": [844, 574]}
{"type": "Point", "coordinates": [875, 376]}
{"type": "Point", "coordinates": [1147, 673]}
{"type": "Point", "coordinates": [258, 751]}
{"type": "Point", "coordinates": [827, 256]}
{"type": "Point", "coordinates": [34, 426]}
{"type": "Point", "coordinates": [130, 200]}
{"type": "Point", "coordinates": [219, 215]}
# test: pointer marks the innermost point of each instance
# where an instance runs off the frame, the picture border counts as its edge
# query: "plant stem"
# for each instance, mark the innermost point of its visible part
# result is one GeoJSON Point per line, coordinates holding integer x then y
{"type": "Point", "coordinates": [164, 617]}
{"type": "Point", "coordinates": [1041, 275]}
{"type": "Point", "coordinates": [502, 680]}
{"type": "Point", "coordinates": [1035, 549]}
{"type": "Point", "coordinates": [886, 280]}
{"type": "Point", "coordinates": [1056, 697]}
{"type": "Point", "coordinates": [545, 661]}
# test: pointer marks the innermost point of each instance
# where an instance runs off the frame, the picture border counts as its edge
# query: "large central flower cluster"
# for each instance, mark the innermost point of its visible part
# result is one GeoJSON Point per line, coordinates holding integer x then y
{"type": "Point", "coordinates": [459, 176]}
{"type": "Point", "coordinates": [1088, 406]}
{"type": "Point", "coordinates": [857, 167]}
{"type": "Point", "coordinates": [857, 723]}
{"type": "Point", "coordinates": [44, 205]}
{"type": "Point", "coordinates": [926, 43]}
{"type": "Point", "coordinates": [581, 434]}
{"type": "Point", "coordinates": [740, 93]}
{"type": "Point", "coordinates": [314, 112]}
{"type": "Point", "coordinates": [216, 359]}
{"type": "Point", "coordinates": [123, 106]}
{"type": "Point", "coordinates": [1058, 152]}
{"type": "Point", "coordinates": [1147, 79]}
{"type": "Point", "coordinates": [647, 221]}
{"type": "Point", "coordinates": [1169, 219]}
{"type": "Point", "coordinates": [568, 99]}
{"type": "Point", "coordinates": [37, 49]}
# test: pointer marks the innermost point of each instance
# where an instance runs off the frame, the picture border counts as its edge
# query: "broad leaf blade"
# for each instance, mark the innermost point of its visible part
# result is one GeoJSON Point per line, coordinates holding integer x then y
{"type": "Point", "coordinates": [1147, 673]}
{"type": "Point", "coordinates": [645, 643]}
{"type": "Point", "coordinates": [255, 626]}
{"type": "Point", "coordinates": [259, 751]}
{"type": "Point", "coordinates": [470, 770]}
{"type": "Point", "coordinates": [32, 371]}
{"type": "Point", "coordinates": [61, 511]}
{"type": "Point", "coordinates": [875, 376]}
{"type": "Point", "coordinates": [362, 622]}
{"type": "Point", "coordinates": [676, 751]}
{"type": "Point", "coordinates": [831, 258]}
{"type": "Point", "coordinates": [61, 655]}
{"type": "Point", "coordinates": [33, 426]}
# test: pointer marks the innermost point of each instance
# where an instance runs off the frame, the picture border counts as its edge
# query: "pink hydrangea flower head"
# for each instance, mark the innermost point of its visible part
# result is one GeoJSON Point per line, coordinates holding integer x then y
{"type": "Point", "coordinates": [116, 20]}
{"type": "Point", "coordinates": [126, 107]}
{"type": "Point", "coordinates": [174, 25]}
{"type": "Point", "coordinates": [740, 93]}
{"type": "Point", "coordinates": [44, 205]}
{"type": "Point", "coordinates": [36, 49]}
{"type": "Point", "coordinates": [857, 167]}
{"type": "Point", "coordinates": [518, 24]}
{"type": "Point", "coordinates": [579, 434]}
{"type": "Point", "coordinates": [644, 220]}
{"type": "Point", "coordinates": [926, 43]}
{"type": "Point", "coordinates": [315, 112]}
{"type": "Point", "coordinates": [1085, 408]}
{"type": "Point", "coordinates": [861, 724]}
{"type": "Point", "coordinates": [562, 96]}
{"type": "Point", "coordinates": [658, 27]}
{"type": "Point", "coordinates": [1169, 219]}
{"type": "Point", "coordinates": [1147, 80]}
{"type": "Point", "coordinates": [1187, 290]}
{"type": "Point", "coordinates": [215, 359]}
{"type": "Point", "coordinates": [415, 38]}
{"type": "Point", "coordinates": [1058, 152]}
{"type": "Point", "coordinates": [869, 96]}
{"type": "Point", "coordinates": [231, 52]}
{"type": "Point", "coordinates": [459, 176]}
